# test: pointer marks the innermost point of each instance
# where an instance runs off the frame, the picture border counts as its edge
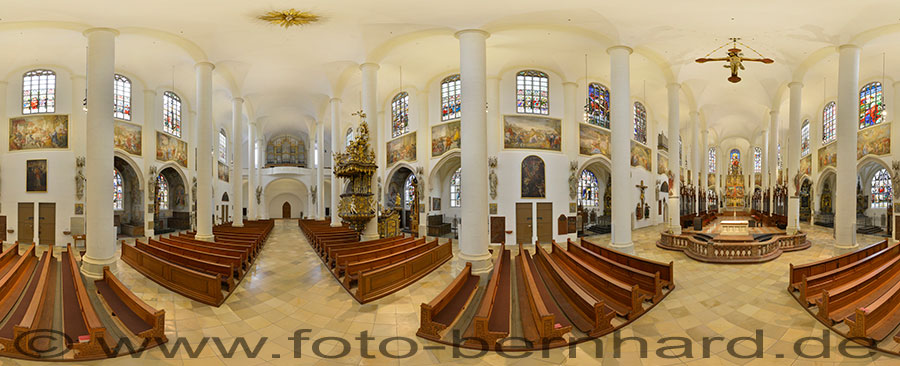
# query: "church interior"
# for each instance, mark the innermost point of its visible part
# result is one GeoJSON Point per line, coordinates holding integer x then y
{"type": "Point", "coordinates": [391, 182]}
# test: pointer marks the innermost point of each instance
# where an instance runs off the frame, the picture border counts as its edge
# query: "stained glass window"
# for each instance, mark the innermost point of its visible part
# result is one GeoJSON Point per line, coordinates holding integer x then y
{"type": "Point", "coordinates": [596, 112]}
{"type": "Point", "coordinates": [735, 160]}
{"type": "Point", "coordinates": [680, 149]}
{"type": "Point", "coordinates": [450, 102]}
{"type": "Point", "coordinates": [172, 114]}
{"type": "Point", "coordinates": [881, 189]}
{"type": "Point", "coordinates": [39, 92]}
{"type": "Point", "coordinates": [779, 157]}
{"type": "Point", "coordinates": [757, 159]}
{"type": "Point", "coordinates": [871, 105]}
{"type": "Point", "coordinates": [409, 192]}
{"type": "Point", "coordinates": [589, 190]}
{"type": "Point", "coordinates": [349, 137]}
{"type": "Point", "coordinates": [712, 160]}
{"type": "Point", "coordinates": [829, 122]}
{"type": "Point", "coordinates": [223, 147]}
{"type": "Point", "coordinates": [455, 185]}
{"type": "Point", "coordinates": [118, 191]}
{"type": "Point", "coordinates": [532, 92]}
{"type": "Point", "coordinates": [122, 97]}
{"type": "Point", "coordinates": [162, 192]}
{"type": "Point", "coordinates": [640, 123]}
{"type": "Point", "coordinates": [804, 138]}
{"type": "Point", "coordinates": [400, 114]}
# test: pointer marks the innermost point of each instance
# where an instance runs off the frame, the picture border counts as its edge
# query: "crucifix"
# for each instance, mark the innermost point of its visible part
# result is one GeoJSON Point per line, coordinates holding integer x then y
{"type": "Point", "coordinates": [639, 210]}
{"type": "Point", "coordinates": [734, 59]}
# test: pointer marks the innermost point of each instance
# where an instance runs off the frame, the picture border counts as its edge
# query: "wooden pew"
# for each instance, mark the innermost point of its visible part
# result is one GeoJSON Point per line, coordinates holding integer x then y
{"type": "Point", "coordinates": [811, 287]}
{"type": "Point", "coordinates": [8, 258]}
{"type": "Point", "coordinates": [839, 303]}
{"type": "Point", "coordinates": [355, 247]}
{"type": "Point", "coordinates": [491, 321]}
{"type": "Point", "coordinates": [878, 319]}
{"type": "Point", "coordinates": [649, 284]}
{"type": "Point", "coordinates": [236, 263]}
{"type": "Point", "coordinates": [382, 281]}
{"type": "Point", "coordinates": [82, 326]}
{"type": "Point", "coordinates": [242, 254]}
{"type": "Point", "coordinates": [353, 269]}
{"type": "Point", "coordinates": [587, 313]}
{"type": "Point", "coordinates": [133, 313]}
{"type": "Point", "coordinates": [825, 265]}
{"type": "Point", "coordinates": [200, 286]}
{"type": "Point", "coordinates": [33, 313]}
{"type": "Point", "coordinates": [342, 261]}
{"type": "Point", "coordinates": [625, 299]}
{"type": "Point", "coordinates": [542, 321]}
{"type": "Point", "coordinates": [441, 313]}
{"type": "Point", "coordinates": [226, 272]}
{"type": "Point", "coordinates": [13, 282]}
{"type": "Point", "coordinates": [244, 246]}
{"type": "Point", "coordinates": [666, 270]}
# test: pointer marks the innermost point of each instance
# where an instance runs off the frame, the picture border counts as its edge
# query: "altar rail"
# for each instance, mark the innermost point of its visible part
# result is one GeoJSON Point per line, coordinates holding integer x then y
{"type": "Point", "coordinates": [752, 252]}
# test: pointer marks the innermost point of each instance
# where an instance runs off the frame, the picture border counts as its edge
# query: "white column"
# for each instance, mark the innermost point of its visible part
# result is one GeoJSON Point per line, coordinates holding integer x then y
{"type": "Point", "coordinates": [695, 158]}
{"type": "Point", "coordinates": [320, 171]}
{"type": "Point", "coordinates": [149, 149]}
{"type": "Point", "coordinates": [773, 158]}
{"type": "Point", "coordinates": [765, 165]}
{"type": "Point", "coordinates": [336, 136]}
{"type": "Point", "coordinates": [704, 165]}
{"type": "Point", "coordinates": [237, 176]}
{"type": "Point", "coordinates": [847, 125]}
{"type": "Point", "coordinates": [674, 91]}
{"type": "Point", "coordinates": [895, 153]}
{"type": "Point", "coordinates": [101, 242]}
{"type": "Point", "coordinates": [204, 151]}
{"type": "Point", "coordinates": [370, 108]}
{"type": "Point", "coordinates": [571, 119]}
{"type": "Point", "coordinates": [793, 158]}
{"type": "Point", "coordinates": [622, 119]}
{"type": "Point", "coordinates": [252, 206]}
{"type": "Point", "coordinates": [474, 230]}
{"type": "Point", "coordinates": [260, 163]}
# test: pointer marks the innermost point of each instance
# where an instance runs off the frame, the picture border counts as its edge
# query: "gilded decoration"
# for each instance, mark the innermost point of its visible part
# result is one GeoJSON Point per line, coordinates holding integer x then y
{"type": "Point", "coordinates": [357, 165]}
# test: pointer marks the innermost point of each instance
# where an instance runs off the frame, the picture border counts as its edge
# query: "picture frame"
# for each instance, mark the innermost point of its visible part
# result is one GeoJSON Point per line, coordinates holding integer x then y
{"type": "Point", "coordinates": [79, 209]}
{"type": "Point", "coordinates": [36, 175]}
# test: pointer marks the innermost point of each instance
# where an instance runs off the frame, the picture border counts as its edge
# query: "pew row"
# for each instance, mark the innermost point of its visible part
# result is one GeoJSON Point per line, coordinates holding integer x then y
{"type": "Point", "coordinates": [441, 313]}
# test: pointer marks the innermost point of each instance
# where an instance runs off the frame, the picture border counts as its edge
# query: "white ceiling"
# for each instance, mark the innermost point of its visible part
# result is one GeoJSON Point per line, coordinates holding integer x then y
{"type": "Point", "coordinates": [288, 76]}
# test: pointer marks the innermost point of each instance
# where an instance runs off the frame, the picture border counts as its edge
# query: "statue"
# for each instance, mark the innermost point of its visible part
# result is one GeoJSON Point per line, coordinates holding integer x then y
{"type": "Point", "coordinates": [151, 184]}
{"type": "Point", "coordinates": [258, 195]}
{"type": "Point", "coordinates": [671, 178]}
{"type": "Point", "coordinates": [492, 177]}
{"type": "Point", "coordinates": [573, 180]}
{"type": "Point", "coordinates": [735, 60]}
{"type": "Point", "coordinates": [379, 191]}
{"type": "Point", "coordinates": [79, 177]}
{"type": "Point", "coordinates": [895, 177]}
{"type": "Point", "coordinates": [312, 191]}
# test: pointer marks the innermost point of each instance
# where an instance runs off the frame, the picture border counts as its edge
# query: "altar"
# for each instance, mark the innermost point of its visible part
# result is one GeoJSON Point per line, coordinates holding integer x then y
{"type": "Point", "coordinates": [734, 228]}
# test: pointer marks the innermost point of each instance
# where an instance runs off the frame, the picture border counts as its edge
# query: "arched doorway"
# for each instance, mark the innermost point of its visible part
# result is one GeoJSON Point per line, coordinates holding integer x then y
{"type": "Point", "coordinates": [172, 212]}
{"type": "Point", "coordinates": [224, 208]}
{"type": "Point", "coordinates": [286, 210]}
{"type": "Point", "coordinates": [805, 201]}
{"type": "Point", "coordinates": [594, 199]}
{"type": "Point", "coordinates": [286, 190]}
{"type": "Point", "coordinates": [824, 206]}
{"type": "Point", "coordinates": [128, 215]}
{"type": "Point", "coordinates": [874, 198]}
{"type": "Point", "coordinates": [400, 194]}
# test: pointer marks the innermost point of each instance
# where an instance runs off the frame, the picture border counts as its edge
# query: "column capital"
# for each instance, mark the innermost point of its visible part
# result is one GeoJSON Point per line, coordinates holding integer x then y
{"type": "Point", "coordinates": [848, 46]}
{"type": "Point", "coordinates": [773, 113]}
{"type": "Point", "coordinates": [619, 47]}
{"type": "Point", "coordinates": [335, 100]}
{"type": "Point", "coordinates": [795, 84]}
{"type": "Point", "coordinates": [570, 83]}
{"type": "Point", "coordinates": [673, 86]}
{"type": "Point", "coordinates": [208, 64]}
{"type": "Point", "coordinates": [473, 30]}
{"type": "Point", "coordinates": [74, 77]}
{"type": "Point", "coordinates": [150, 91]}
{"type": "Point", "coordinates": [694, 114]}
{"type": "Point", "coordinates": [89, 31]}
{"type": "Point", "coordinates": [369, 65]}
{"type": "Point", "coordinates": [237, 100]}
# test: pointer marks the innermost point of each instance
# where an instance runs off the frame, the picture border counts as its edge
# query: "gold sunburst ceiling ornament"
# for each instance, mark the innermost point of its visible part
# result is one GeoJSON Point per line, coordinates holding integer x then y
{"type": "Point", "coordinates": [289, 18]}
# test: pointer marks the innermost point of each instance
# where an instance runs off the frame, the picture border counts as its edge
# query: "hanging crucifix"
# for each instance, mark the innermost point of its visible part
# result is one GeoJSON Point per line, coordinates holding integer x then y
{"type": "Point", "coordinates": [639, 210]}
{"type": "Point", "coordinates": [735, 59]}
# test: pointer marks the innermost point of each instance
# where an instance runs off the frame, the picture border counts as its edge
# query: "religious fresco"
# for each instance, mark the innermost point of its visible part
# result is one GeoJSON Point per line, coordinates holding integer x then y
{"type": "Point", "coordinates": [806, 165]}
{"type": "Point", "coordinates": [592, 140]}
{"type": "Point", "coordinates": [662, 164]}
{"type": "Point", "coordinates": [533, 179]}
{"type": "Point", "coordinates": [734, 191]}
{"type": "Point", "coordinates": [45, 131]}
{"type": "Point", "coordinates": [169, 148]}
{"type": "Point", "coordinates": [530, 132]}
{"type": "Point", "coordinates": [828, 156]}
{"type": "Point", "coordinates": [222, 170]}
{"type": "Point", "coordinates": [640, 156]}
{"type": "Point", "coordinates": [757, 179]}
{"type": "Point", "coordinates": [36, 175]}
{"type": "Point", "coordinates": [286, 150]}
{"type": "Point", "coordinates": [444, 138]}
{"type": "Point", "coordinates": [127, 136]}
{"type": "Point", "coordinates": [874, 141]}
{"type": "Point", "coordinates": [711, 180]}
{"type": "Point", "coordinates": [402, 148]}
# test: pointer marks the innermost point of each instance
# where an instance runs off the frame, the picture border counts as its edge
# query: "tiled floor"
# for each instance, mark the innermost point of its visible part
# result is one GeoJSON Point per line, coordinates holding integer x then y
{"type": "Point", "coordinates": [289, 290]}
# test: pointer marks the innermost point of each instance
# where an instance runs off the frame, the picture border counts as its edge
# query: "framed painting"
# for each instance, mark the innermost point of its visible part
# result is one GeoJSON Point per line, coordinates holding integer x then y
{"type": "Point", "coordinates": [402, 148]}
{"type": "Point", "coordinates": [222, 170]}
{"type": "Point", "coordinates": [36, 175]}
{"type": "Point", "coordinates": [806, 165]}
{"type": "Point", "coordinates": [436, 203]}
{"type": "Point", "coordinates": [169, 148]}
{"type": "Point", "coordinates": [531, 132]}
{"type": "Point", "coordinates": [875, 140]}
{"type": "Point", "coordinates": [79, 209]}
{"type": "Point", "coordinates": [592, 140]}
{"type": "Point", "coordinates": [828, 156]}
{"type": "Point", "coordinates": [640, 156]}
{"type": "Point", "coordinates": [127, 137]}
{"type": "Point", "coordinates": [662, 164]}
{"type": "Point", "coordinates": [444, 138]}
{"type": "Point", "coordinates": [533, 179]}
{"type": "Point", "coordinates": [47, 131]}
{"type": "Point", "coordinates": [492, 208]}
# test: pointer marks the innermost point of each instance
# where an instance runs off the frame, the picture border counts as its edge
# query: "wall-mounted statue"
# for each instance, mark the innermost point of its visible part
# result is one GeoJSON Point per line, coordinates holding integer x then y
{"type": "Point", "coordinates": [258, 195]}
{"type": "Point", "coordinates": [79, 177]}
{"type": "Point", "coordinates": [492, 177]}
{"type": "Point", "coordinates": [312, 191]}
{"type": "Point", "coordinates": [573, 180]}
{"type": "Point", "coordinates": [895, 177]}
{"type": "Point", "coordinates": [151, 184]}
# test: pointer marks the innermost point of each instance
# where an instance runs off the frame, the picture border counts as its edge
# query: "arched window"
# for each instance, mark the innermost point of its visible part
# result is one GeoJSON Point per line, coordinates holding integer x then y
{"type": "Point", "coordinates": [871, 105]}
{"type": "Point", "coordinates": [348, 137]}
{"type": "Point", "coordinates": [596, 112]}
{"type": "Point", "coordinates": [39, 92]}
{"type": "Point", "coordinates": [532, 92]}
{"type": "Point", "coordinates": [735, 160]}
{"type": "Point", "coordinates": [172, 114]}
{"type": "Point", "coordinates": [121, 97]}
{"type": "Point", "coordinates": [455, 184]}
{"type": "Point", "coordinates": [589, 190]}
{"type": "Point", "coordinates": [409, 192]}
{"type": "Point", "coordinates": [804, 138]}
{"type": "Point", "coordinates": [450, 102]}
{"type": "Point", "coordinates": [881, 189]}
{"type": "Point", "coordinates": [829, 123]}
{"type": "Point", "coordinates": [680, 149]}
{"type": "Point", "coordinates": [400, 114]}
{"type": "Point", "coordinates": [712, 160]}
{"type": "Point", "coordinates": [757, 159]}
{"type": "Point", "coordinates": [640, 123]}
{"type": "Point", "coordinates": [779, 157]}
{"type": "Point", "coordinates": [162, 192]}
{"type": "Point", "coordinates": [118, 191]}
{"type": "Point", "coordinates": [223, 146]}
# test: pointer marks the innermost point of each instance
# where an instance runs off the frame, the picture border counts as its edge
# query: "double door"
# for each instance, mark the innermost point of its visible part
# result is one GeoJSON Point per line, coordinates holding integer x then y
{"type": "Point", "coordinates": [527, 219]}
{"type": "Point", "coordinates": [45, 220]}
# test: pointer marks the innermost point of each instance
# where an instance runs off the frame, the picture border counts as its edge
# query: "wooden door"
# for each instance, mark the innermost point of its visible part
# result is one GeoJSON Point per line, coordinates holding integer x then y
{"type": "Point", "coordinates": [286, 210]}
{"type": "Point", "coordinates": [26, 222]}
{"type": "Point", "coordinates": [47, 223]}
{"type": "Point", "coordinates": [523, 223]}
{"type": "Point", "coordinates": [545, 222]}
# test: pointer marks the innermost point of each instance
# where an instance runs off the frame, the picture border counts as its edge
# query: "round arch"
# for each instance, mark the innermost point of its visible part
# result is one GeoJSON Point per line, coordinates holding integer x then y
{"type": "Point", "coordinates": [133, 164]}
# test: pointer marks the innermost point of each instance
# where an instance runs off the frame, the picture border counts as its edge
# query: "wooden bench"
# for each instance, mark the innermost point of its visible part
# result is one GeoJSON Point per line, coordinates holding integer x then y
{"type": "Point", "coordinates": [811, 287]}
{"type": "Point", "coordinates": [33, 313]}
{"type": "Point", "coordinates": [441, 313]}
{"type": "Point", "coordinates": [878, 319]}
{"type": "Point", "coordinates": [839, 303]}
{"type": "Point", "coordinates": [542, 321]}
{"type": "Point", "coordinates": [200, 286]}
{"type": "Point", "coordinates": [649, 284]}
{"type": "Point", "coordinates": [133, 313]}
{"type": "Point", "coordinates": [588, 313]}
{"type": "Point", "coordinates": [244, 246]}
{"type": "Point", "coordinates": [665, 270]}
{"type": "Point", "coordinates": [491, 321]}
{"type": "Point", "coordinates": [224, 271]}
{"type": "Point", "coordinates": [13, 282]}
{"type": "Point", "coordinates": [353, 269]}
{"type": "Point", "coordinates": [361, 246]}
{"type": "Point", "coordinates": [825, 265]}
{"type": "Point", "coordinates": [82, 326]}
{"type": "Point", "coordinates": [342, 261]}
{"type": "Point", "coordinates": [235, 262]}
{"type": "Point", "coordinates": [212, 249]}
{"type": "Point", "coordinates": [625, 299]}
{"type": "Point", "coordinates": [379, 282]}
{"type": "Point", "coordinates": [8, 258]}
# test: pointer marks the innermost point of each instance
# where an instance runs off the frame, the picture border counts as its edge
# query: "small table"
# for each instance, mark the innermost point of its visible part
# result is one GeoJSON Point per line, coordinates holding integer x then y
{"type": "Point", "coordinates": [735, 227]}
{"type": "Point", "coordinates": [76, 238]}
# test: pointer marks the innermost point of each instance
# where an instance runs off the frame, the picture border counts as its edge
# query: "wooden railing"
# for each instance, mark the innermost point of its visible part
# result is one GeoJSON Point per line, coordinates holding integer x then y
{"type": "Point", "coordinates": [752, 252]}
